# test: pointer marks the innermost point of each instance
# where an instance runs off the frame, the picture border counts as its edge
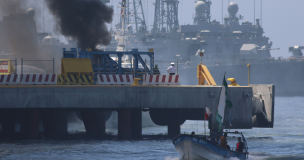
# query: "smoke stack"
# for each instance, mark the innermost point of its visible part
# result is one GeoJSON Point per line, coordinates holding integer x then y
{"type": "Point", "coordinates": [84, 20]}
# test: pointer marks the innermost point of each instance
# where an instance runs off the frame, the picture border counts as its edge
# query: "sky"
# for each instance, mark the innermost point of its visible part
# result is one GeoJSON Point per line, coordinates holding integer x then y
{"type": "Point", "coordinates": [282, 20]}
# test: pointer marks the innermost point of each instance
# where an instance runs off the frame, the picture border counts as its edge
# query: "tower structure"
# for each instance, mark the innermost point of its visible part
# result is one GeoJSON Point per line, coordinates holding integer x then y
{"type": "Point", "coordinates": [157, 17]}
{"type": "Point", "coordinates": [132, 15]}
{"type": "Point", "coordinates": [166, 16]}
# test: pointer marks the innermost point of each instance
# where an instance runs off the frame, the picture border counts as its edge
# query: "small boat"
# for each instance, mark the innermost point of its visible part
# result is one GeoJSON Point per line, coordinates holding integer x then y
{"type": "Point", "coordinates": [200, 148]}
{"type": "Point", "coordinates": [192, 147]}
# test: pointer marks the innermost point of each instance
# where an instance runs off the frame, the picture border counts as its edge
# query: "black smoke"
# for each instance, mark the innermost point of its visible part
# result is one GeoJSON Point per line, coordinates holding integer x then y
{"type": "Point", "coordinates": [83, 20]}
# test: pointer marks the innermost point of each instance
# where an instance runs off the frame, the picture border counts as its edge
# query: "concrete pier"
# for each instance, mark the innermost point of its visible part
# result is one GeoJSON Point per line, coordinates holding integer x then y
{"type": "Point", "coordinates": [54, 121]}
{"type": "Point", "coordinates": [94, 122]}
{"type": "Point", "coordinates": [168, 105]}
{"type": "Point", "coordinates": [136, 126]}
{"type": "Point", "coordinates": [7, 117]}
{"type": "Point", "coordinates": [32, 123]}
{"type": "Point", "coordinates": [124, 124]}
{"type": "Point", "coordinates": [263, 106]}
{"type": "Point", "coordinates": [114, 97]}
{"type": "Point", "coordinates": [174, 123]}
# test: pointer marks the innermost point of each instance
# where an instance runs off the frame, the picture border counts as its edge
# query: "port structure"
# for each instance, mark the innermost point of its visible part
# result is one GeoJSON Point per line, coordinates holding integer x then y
{"type": "Point", "coordinates": [27, 105]}
{"type": "Point", "coordinates": [166, 16]}
{"type": "Point", "coordinates": [102, 63]}
{"type": "Point", "coordinates": [132, 14]}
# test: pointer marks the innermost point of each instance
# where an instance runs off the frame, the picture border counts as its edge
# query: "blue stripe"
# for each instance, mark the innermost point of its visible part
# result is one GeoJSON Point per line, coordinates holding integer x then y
{"type": "Point", "coordinates": [82, 80]}
{"type": "Point", "coordinates": [88, 78]}
{"type": "Point", "coordinates": [69, 76]}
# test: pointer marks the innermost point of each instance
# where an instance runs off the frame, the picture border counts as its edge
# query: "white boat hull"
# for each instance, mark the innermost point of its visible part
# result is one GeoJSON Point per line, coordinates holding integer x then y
{"type": "Point", "coordinates": [198, 148]}
{"type": "Point", "coordinates": [192, 151]}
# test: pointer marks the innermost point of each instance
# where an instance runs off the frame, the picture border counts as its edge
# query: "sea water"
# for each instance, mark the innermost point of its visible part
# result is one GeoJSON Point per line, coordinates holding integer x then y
{"type": "Point", "coordinates": [284, 141]}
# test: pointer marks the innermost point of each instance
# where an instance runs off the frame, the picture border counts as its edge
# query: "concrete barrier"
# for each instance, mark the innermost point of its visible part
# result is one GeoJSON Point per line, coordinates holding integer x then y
{"type": "Point", "coordinates": [114, 79]}
{"type": "Point", "coordinates": [38, 79]}
{"type": "Point", "coordinates": [10, 79]}
{"type": "Point", "coordinates": [161, 80]}
{"type": "Point", "coordinates": [74, 79]}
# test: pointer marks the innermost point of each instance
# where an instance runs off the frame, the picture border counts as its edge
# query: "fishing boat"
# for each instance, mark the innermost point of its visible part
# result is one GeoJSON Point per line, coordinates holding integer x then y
{"type": "Point", "coordinates": [200, 148]}
{"type": "Point", "coordinates": [192, 147]}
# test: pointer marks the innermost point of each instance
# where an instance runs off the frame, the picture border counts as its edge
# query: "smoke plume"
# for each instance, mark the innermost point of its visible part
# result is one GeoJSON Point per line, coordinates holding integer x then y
{"type": "Point", "coordinates": [17, 30]}
{"type": "Point", "coordinates": [11, 7]}
{"type": "Point", "coordinates": [83, 20]}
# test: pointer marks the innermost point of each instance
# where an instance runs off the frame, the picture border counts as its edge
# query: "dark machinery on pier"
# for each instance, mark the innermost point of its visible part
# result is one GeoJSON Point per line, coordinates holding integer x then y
{"type": "Point", "coordinates": [111, 62]}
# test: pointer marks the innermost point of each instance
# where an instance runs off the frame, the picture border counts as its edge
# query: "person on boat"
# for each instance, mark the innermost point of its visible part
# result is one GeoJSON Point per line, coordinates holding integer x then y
{"type": "Point", "coordinates": [171, 69]}
{"type": "Point", "coordinates": [239, 145]}
{"type": "Point", "coordinates": [223, 143]}
{"type": "Point", "coordinates": [156, 70]}
{"type": "Point", "coordinates": [213, 139]}
{"type": "Point", "coordinates": [218, 140]}
{"type": "Point", "coordinates": [192, 133]}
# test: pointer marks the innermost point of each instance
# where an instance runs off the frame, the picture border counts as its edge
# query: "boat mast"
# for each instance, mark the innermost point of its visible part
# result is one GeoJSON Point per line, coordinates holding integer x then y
{"type": "Point", "coordinates": [205, 120]}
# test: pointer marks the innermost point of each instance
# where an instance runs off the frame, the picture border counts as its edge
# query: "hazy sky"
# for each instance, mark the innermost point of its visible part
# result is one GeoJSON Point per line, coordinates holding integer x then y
{"type": "Point", "coordinates": [283, 20]}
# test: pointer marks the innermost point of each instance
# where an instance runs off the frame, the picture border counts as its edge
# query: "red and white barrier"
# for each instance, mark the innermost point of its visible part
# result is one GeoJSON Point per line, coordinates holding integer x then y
{"type": "Point", "coordinates": [38, 79]}
{"type": "Point", "coordinates": [161, 80]}
{"type": "Point", "coordinates": [114, 79]}
{"type": "Point", "coordinates": [10, 79]}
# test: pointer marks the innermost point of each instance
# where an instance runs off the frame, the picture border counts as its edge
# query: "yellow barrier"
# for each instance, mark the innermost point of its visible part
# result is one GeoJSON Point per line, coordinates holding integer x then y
{"type": "Point", "coordinates": [74, 79]}
{"type": "Point", "coordinates": [76, 71]}
{"type": "Point", "coordinates": [76, 66]}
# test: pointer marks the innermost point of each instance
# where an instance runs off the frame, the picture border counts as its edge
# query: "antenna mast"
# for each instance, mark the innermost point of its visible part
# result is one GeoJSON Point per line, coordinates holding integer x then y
{"type": "Point", "coordinates": [261, 12]}
{"type": "Point", "coordinates": [43, 16]}
{"type": "Point", "coordinates": [222, 12]}
{"type": "Point", "coordinates": [254, 11]}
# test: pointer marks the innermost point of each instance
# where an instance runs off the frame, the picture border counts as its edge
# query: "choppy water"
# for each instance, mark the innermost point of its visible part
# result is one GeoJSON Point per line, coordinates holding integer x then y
{"type": "Point", "coordinates": [284, 141]}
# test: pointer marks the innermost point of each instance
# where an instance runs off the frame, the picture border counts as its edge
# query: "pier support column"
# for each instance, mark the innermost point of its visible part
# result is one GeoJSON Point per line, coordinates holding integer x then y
{"type": "Point", "coordinates": [8, 123]}
{"type": "Point", "coordinates": [124, 124]}
{"type": "Point", "coordinates": [94, 122]}
{"type": "Point", "coordinates": [174, 123]}
{"type": "Point", "coordinates": [55, 122]}
{"type": "Point", "coordinates": [32, 123]}
{"type": "Point", "coordinates": [136, 120]}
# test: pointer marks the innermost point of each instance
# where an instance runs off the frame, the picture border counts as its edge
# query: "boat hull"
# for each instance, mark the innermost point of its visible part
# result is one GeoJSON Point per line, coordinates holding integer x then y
{"type": "Point", "coordinates": [191, 151]}
{"type": "Point", "coordinates": [193, 148]}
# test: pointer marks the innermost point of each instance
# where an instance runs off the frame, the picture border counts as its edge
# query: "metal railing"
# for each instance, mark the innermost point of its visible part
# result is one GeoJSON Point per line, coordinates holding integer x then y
{"type": "Point", "coordinates": [163, 65]}
{"type": "Point", "coordinates": [38, 66]}
{"type": "Point", "coordinates": [127, 67]}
